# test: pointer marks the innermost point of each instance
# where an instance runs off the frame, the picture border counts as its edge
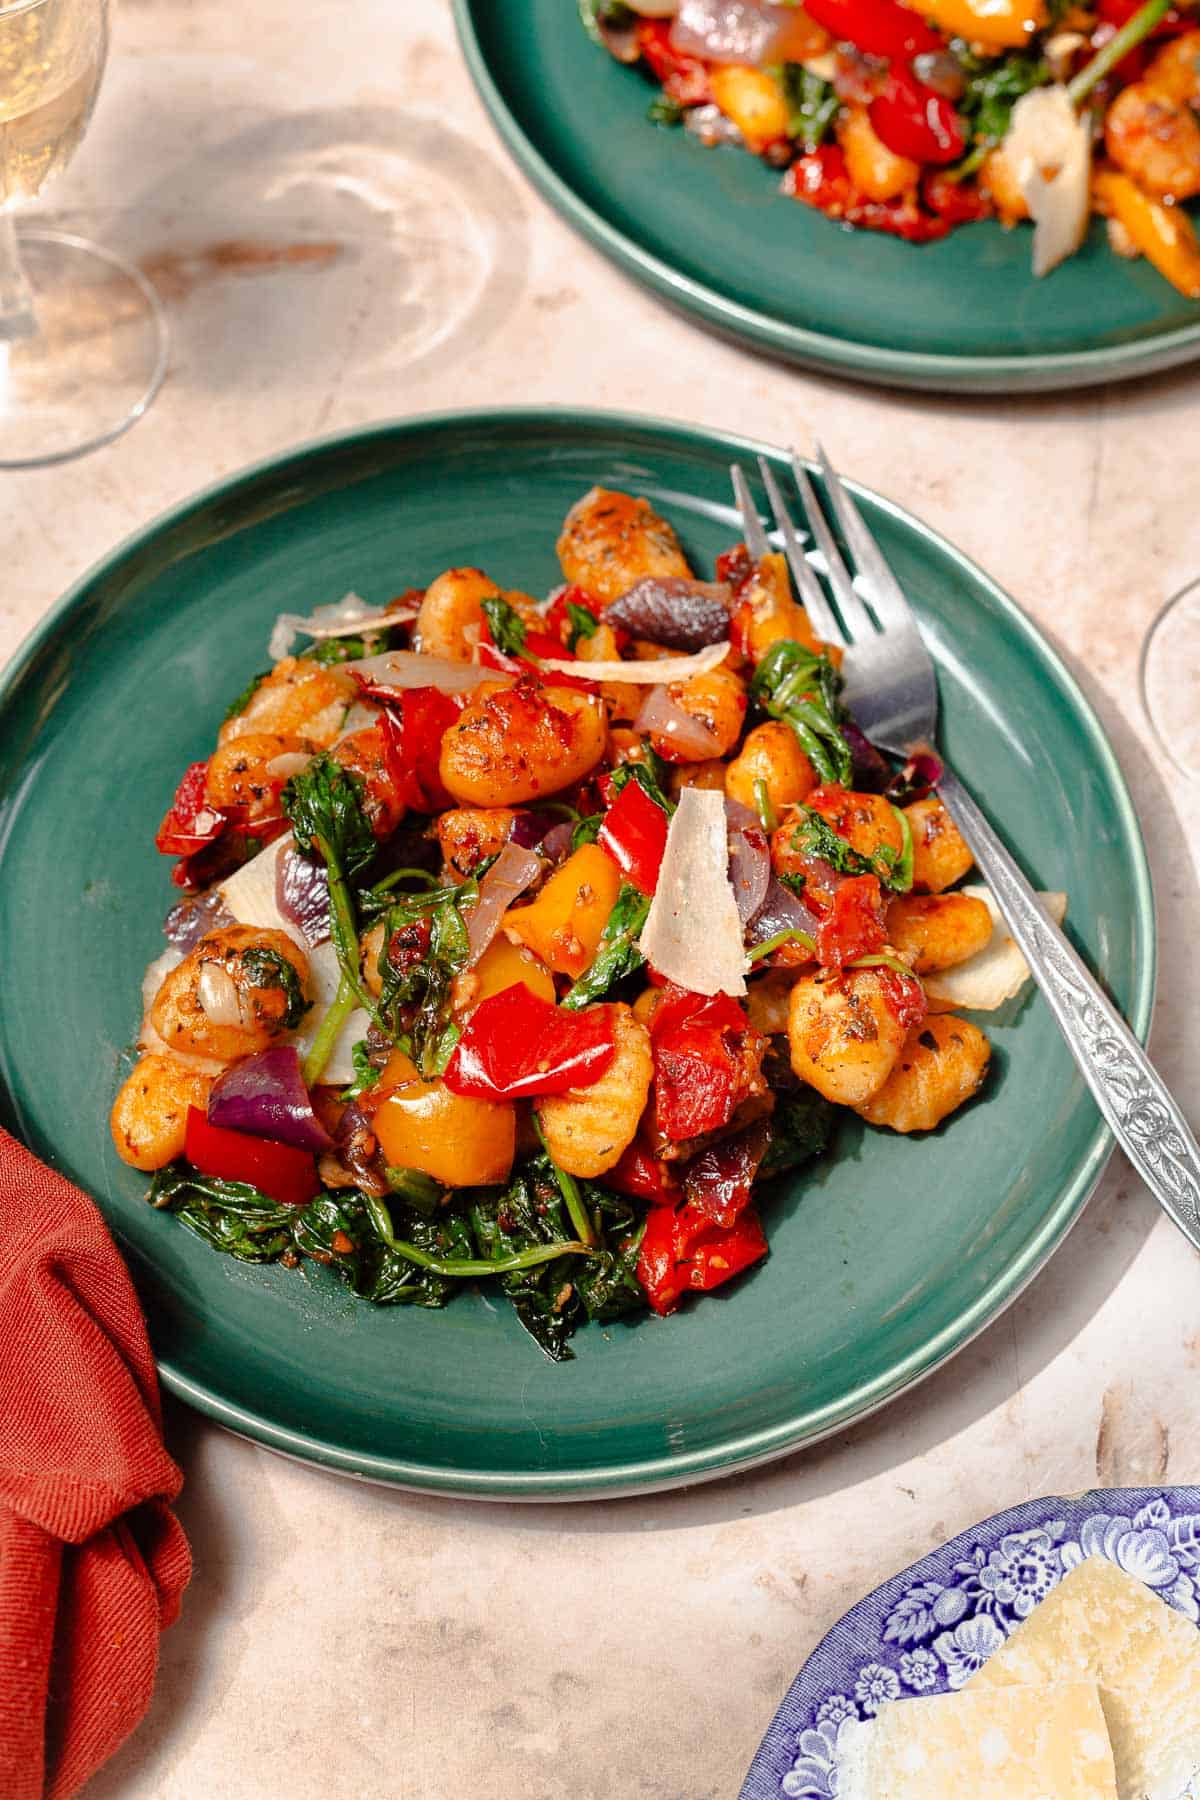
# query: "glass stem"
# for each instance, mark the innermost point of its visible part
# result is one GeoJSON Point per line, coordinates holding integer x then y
{"type": "Point", "coordinates": [17, 319]}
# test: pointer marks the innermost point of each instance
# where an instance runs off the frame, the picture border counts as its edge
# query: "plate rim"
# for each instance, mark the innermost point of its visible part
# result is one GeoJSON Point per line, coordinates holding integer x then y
{"type": "Point", "coordinates": [853, 359]}
{"type": "Point", "coordinates": [738, 1454]}
{"type": "Point", "coordinates": [1118, 1500]}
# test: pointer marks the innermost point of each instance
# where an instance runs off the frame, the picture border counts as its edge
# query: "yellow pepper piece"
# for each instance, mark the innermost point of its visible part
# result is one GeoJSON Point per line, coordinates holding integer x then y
{"type": "Point", "coordinates": [767, 612]}
{"type": "Point", "coordinates": [564, 924]}
{"type": "Point", "coordinates": [999, 24]}
{"type": "Point", "coordinates": [875, 170]}
{"type": "Point", "coordinates": [1164, 234]}
{"type": "Point", "coordinates": [503, 965]}
{"type": "Point", "coordinates": [456, 1139]}
{"type": "Point", "coordinates": [754, 101]}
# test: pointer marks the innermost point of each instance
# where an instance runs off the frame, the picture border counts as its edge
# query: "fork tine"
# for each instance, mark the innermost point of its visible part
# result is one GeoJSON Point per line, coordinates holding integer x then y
{"type": "Point", "coordinates": [752, 531]}
{"type": "Point", "coordinates": [883, 590]}
{"type": "Point", "coordinates": [855, 617]}
{"type": "Point", "coordinates": [821, 614]}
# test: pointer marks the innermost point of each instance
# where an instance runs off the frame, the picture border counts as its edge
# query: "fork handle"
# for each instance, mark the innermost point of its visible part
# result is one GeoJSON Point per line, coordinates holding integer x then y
{"type": "Point", "coordinates": [1148, 1123]}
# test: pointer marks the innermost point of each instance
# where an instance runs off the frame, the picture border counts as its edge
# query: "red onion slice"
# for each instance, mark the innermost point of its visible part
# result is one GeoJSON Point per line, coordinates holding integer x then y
{"type": "Point", "coordinates": [780, 911]}
{"type": "Point", "coordinates": [265, 1096]}
{"type": "Point", "coordinates": [557, 841]}
{"type": "Point", "coordinates": [871, 773]}
{"type": "Point", "coordinates": [512, 872]}
{"type": "Point", "coordinates": [670, 610]}
{"type": "Point", "coordinates": [730, 31]}
{"type": "Point", "coordinates": [749, 858]}
{"type": "Point", "coordinates": [302, 895]}
{"type": "Point", "coordinates": [188, 922]}
{"type": "Point", "coordinates": [530, 828]}
{"type": "Point", "coordinates": [689, 737]}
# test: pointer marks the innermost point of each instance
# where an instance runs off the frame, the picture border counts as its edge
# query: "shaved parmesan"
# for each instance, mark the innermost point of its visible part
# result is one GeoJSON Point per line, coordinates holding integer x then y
{"type": "Point", "coordinates": [1102, 1624]}
{"type": "Point", "coordinates": [347, 617]}
{"type": "Point", "coordinates": [323, 978]}
{"type": "Point", "coordinates": [1049, 149]}
{"type": "Point", "coordinates": [994, 974]}
{"type": "Point", "coordinates": [360, 716]}
{"type": "Point", "coordinates": [1044, 1742]}
{"type": "Point", "coordinates": [250, 897]}
{"type": "Point", "coordinates": [643, 674]}
{"type": "Point", "coordinates": [693, 934]}
{"type": "Point", "coordinates": [249, 893]}
{"type": "Point", "coordinates": [406, 669]}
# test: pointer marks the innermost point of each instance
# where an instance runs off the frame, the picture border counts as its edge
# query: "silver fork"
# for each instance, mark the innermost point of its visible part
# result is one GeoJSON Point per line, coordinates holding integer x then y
{"type": "Point", "coordinates": [891, 688]}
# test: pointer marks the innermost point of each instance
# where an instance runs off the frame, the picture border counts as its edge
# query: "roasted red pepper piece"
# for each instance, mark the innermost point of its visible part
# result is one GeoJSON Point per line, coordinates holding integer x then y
{"type": "Point", "coordinates": [684, 78]}
{"type": "Point", "coordinates": [634, 833]}
{"type": "Point", "coordinates": [958, 202]}
{"type": "Point", "coordinates": [820, 179]}
{"type": "Point", "coordinates": [190, 822]}
{"type": "Point", "coordinates": [1119, 12]}
{"type": "Point", "coordinates": [698, 1066]}
{"type": "Point", "coordinates": [413, 723]}
{"type": "Point", "coordinates": [916, 122]}
{"type": "Point", "coordinates": [854, 924]}
{"type": "Point", "coordinates": [538, 644]}
{"type": "Point", "coordinates": [881, 27]}
{"type": "Point", "coordinates": [683, 1250]}
{"type": "Point", "coordinates": [643, 1176]}
{"type": "Point", "coordinates": [282, 1171]}
{"type": "Point", "coordinates": [719, 1181]}
{"type": "Point", "coordinates": [903, 996]}
{"type": "Point", "coordinates": [516, 1045]}
{"type": "Point", "coordinates": [236, 845]}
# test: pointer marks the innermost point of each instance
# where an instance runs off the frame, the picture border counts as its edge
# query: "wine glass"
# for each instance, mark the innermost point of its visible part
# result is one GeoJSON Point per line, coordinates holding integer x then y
{"type": "Point", "coordinates": [83, 342]}
{"type": "Point", "coordinates": [1170, 677]}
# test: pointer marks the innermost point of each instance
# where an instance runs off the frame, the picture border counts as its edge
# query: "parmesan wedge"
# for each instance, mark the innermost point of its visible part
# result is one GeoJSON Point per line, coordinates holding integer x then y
{"type": "Point", "coordinates": [1049, 148]}
{"type": "Point", "coordinates": [347, 617]}
{"type": "Point", "coordinates": [1047, 1742]}
{"type": "Point", "coordinates": [1103, 1625]}
{"type": "Point", "coordinates": [693, 934]}
{"type": "Point", "coordinates": [249, 895]}
{"type": "Point", "coordinates": [655, 673]}
{"type": "Point", "coordinates": [994, 974]}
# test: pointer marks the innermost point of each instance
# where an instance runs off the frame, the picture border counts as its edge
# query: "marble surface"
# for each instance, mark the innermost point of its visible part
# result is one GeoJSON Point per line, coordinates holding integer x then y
{"type": "Point", "coordinates": [341, 1641]}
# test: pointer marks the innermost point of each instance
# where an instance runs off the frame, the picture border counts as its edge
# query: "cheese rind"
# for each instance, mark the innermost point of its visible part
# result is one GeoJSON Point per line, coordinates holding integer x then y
{"type": "Point", "coordinates": [1042, 1743]}
{"type": "Point", "coordinates": [1102, 1624]}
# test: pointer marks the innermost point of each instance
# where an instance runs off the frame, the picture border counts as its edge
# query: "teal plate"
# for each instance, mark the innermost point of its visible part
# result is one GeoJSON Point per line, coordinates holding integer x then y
{"type": "Point", "coordinates": [884, 1260]}
{"type": "Point", "coordinates": [709, 231]}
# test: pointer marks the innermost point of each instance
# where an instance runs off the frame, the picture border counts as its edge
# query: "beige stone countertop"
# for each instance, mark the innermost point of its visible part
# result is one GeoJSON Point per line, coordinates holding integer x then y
{"type": "Point", "coordinates": [345, 1641]}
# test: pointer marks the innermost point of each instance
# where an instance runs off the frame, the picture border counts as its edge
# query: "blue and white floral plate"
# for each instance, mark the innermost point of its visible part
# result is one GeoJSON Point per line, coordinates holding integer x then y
{"type": "Point", "coordinates": [930, 1628]}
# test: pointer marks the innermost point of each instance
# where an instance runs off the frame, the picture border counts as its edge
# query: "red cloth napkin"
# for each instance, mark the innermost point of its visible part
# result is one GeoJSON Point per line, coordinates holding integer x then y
{"type": "Point", "coordinates": [92, 1560]}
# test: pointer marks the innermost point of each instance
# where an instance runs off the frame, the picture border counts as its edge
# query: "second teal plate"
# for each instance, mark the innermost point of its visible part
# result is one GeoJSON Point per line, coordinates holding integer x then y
{"type": "Point", "coordinates": [710, 232]}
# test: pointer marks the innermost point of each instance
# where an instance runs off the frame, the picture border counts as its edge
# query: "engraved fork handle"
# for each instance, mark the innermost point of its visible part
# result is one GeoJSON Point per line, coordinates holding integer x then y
{"type": "Point", "coordinates": [1148, 1124]}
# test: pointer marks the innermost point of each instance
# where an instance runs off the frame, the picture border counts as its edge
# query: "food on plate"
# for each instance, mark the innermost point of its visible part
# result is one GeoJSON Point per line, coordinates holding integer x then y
{"type": "Point", "coordinates": [527, 940]}
{"type": "Point", "coordinates": [914, 119]}
{"type": "Point", "coordinates": [1095, 1695]}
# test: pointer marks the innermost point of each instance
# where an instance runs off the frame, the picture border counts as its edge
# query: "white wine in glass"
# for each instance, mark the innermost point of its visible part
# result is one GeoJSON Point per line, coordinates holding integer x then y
{"type": "Point", "coordinates": [82, 337]}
